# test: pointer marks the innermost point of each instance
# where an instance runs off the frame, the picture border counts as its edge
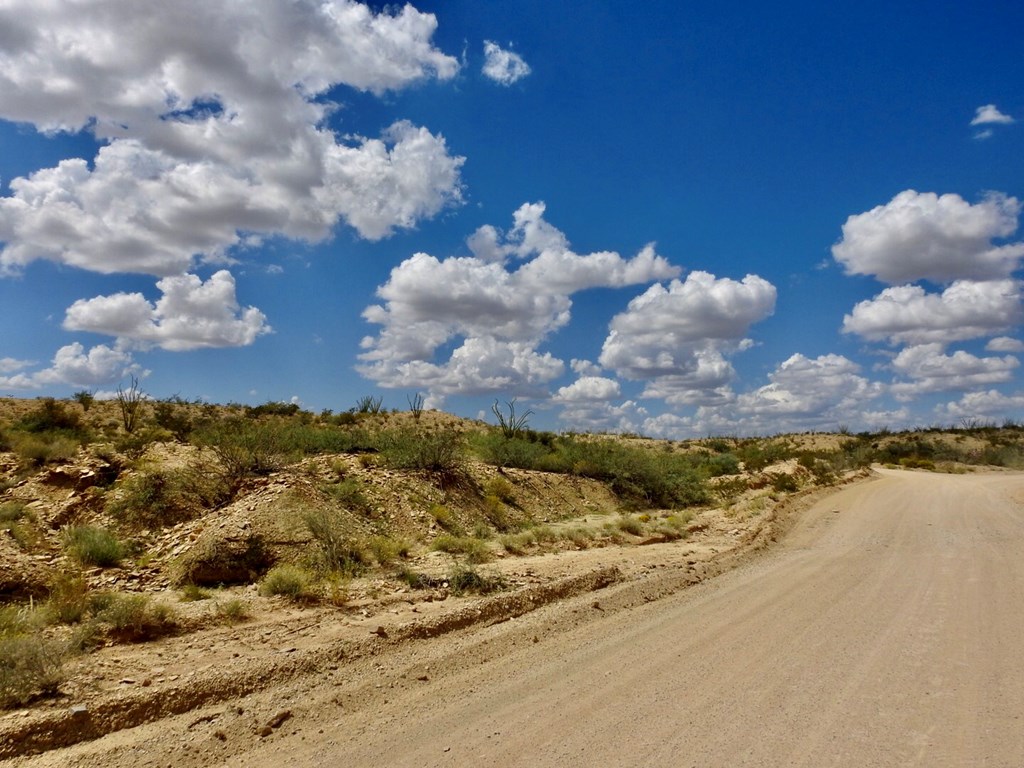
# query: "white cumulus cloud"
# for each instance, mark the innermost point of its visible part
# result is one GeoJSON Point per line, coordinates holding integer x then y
{"type": "Point", "coordinates": [1004, 344]}
{"type": "Point", "coordinates": [924, 236]}
{"type": "Point", "coordinates": [676, 335]}
{"type": "Point", "coordinates": [496, 307]}
{"type": "Point", "coordinates": [926, 368]}
{"type": "Point", "coordinates": [589, 389]}
{"type": "Point", "coordinates": [503, 66]}
{"type": "Point", "coordinates": [212, 118]}
{"type": "Point", "coordinates": [908, 314]}
{"type": "Point", "coordinates": [989, 114]}
{"type": "Point", "coordinates": [983, 403]}
{"type": "Point", "coordinates": [190, 314]}
{"type": "Point", "coordinates": [74, 366]}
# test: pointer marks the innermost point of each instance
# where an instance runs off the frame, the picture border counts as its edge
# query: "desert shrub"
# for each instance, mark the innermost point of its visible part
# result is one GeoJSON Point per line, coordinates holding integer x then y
{"type": "Point", "coordinates": [165, 496]}
{"type": "Point", "coordinates": [232, 611]}
{"type": "Point", "coordinates": [494, 448]}
{"type": "Point", "coordinates": [14, 519]}
{"type": "Point", "coordinates": [218, 561]}
{"type": "Point", "coordinates": [495, 511]}
{"type": "Point", "coordinates": [473, 549]}
{"type": "Point", "coordinates": [134, 618]}
{"type": "Point", "coordinates": [758, 454]}
{"type": "Point", "coordinates": [637, 476]}
{"type": "Point", "coordinates": [369, 404]}
{"type": "Point", "coordinates": [722, 464]}
{"type": "Point", "coordinates": [445, 518]}
{"type": "Point", "coordinates": [386, 550]}
{"type": "Point", "coordinates": [337, 549]}
{"type": "Point", "coordinates": [272, 409]}
{"type": "Point", "coordinates": [517, 543]}
{"type": "Point", "coordinates": [500, 488]}
{"type": "Point", "coordinates": [130, 402]}
{"type": "Point", "coordinates": [44, 448]}
{"type": "Point", "coordinates": [349, 494]}
{"type": "Point", "coordinates": [51, 416]}
{"type": "Point", "coordinates": [289, 581]}
{"type": "Point", "coordinates": [580, 535]}
{"type": "Point", "coordinates": [175, 418]}
{"type": "Point", "coordinates": [436, 451]}
{"type": "Point", "coordinates": [245, 447]}
{"type": "Point", "coordinates": [68, 601]}
{"type": "Point", "coordinates": [462, 579]}
{"type": "Point", "coordinates": [30, 666]}
{"type": "Point", "coordinates": [418, 580]}
{"type": "Point", "coordinates": [92, 545]}
{"type": "Point", "coordinates": [192, 593]}
{"type": "Point", "coordinates": [250, 447]}
{"type": "Point", "coordinates": [630, 525]}
{"type": "Point", "coordinates": [784, 483]}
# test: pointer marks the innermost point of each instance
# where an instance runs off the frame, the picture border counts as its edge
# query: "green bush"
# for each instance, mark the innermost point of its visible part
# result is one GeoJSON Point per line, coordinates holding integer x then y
{"type": "Point", "coordinates": [134, 618]}
{"type": "Point", "coordinates": [30, 666]}
{"type": "Point", "coordinates": [349, 494]}
{"type": "Point", "coordinates": [92, 545]}
{"type": "Point", "coordinates": [473, 549]}
{"type": "Point", "coordinates": [439, 452]}
{"type": "Point", "coordinates": [51, 416]}
{"type": "Point", "coordinates": [494, 448]}
{"type": "Point", "coordinates": [44, 448]}
{"type": "Point", "coordinates": [161, 497]}
{"type": "Point", "coordinates": [338, 550]}
{"type": "Point", "coordinates": [68, 600]}
{"type": "Point", "coordinates": [462, 579]}
{"type": "Point", "coordinates": [288, 581]}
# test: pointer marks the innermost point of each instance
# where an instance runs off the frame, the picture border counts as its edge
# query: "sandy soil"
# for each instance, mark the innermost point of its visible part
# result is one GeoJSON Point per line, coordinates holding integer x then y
{"type": "Point", "coordinates": [883, 630]}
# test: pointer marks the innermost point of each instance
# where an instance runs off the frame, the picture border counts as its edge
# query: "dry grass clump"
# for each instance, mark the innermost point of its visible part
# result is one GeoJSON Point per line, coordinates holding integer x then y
{"type": "Point", "coordinates": [93, 545]}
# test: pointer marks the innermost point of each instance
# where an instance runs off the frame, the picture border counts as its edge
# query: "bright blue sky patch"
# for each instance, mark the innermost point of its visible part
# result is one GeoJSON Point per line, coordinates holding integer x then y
{"type": "Point", "coordinates": [679, 221]}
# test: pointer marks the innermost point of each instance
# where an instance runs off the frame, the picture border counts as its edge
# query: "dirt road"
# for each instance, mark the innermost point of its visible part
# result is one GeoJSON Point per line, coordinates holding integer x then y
{"type": "Point", "coordinates": [886, 630]}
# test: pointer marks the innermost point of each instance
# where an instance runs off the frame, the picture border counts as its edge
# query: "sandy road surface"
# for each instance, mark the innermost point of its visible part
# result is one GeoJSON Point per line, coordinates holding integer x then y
{"type": "Point", "coordinates": [889, 633]}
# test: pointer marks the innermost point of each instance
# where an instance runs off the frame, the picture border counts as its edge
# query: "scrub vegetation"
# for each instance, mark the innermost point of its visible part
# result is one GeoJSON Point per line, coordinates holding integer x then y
{"type": "Point", "coordinates": [300, 504]}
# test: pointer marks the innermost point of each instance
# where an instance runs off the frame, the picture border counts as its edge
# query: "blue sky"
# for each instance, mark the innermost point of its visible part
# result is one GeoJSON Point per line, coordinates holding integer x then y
{"type": "Point", "coordinates": [733, 218]}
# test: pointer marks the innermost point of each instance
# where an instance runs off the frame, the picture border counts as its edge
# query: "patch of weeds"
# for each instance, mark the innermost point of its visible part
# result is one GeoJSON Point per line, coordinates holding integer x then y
{"type": "Point", "coordinates": [784, 483]}
{"type": "Point", "coordinates": [445, 518]}
{"type": "Point", "coordinates": [418, 580]}
{"type": "Point", "coordinates": [580, 535]}
{"type": "Point", "coordinates": [517, 543]}
{"type": "Point", "coordinates": [349, 494]}
{"type": "Point", "coordinates": [338, 550]}
{"type": "Point", "coordinates": [92, 545]}
{"type": "Point", "coordinates": [438, 452]}
{"type": "Point", "coordinates": [162, 497]}
{"type": "Point", "coordinates": [46, 448]}
{"type": "Point", "coordinates": [15, 517]}
{"type": "Point", "coordinates": [631, 525]}
{"type": "Point", "coordinates": [30, 666]}
{"type": "Point", "coordinates": [386, 550]}
{"type": "Point", "coordinates": [462, 579]}
{"type": "Point", "coordinates": [473, 549]}
{"type": "Point", "coordinates": [135, 618]}
{"type": "Point", "coordinates": [68, 602]}
{"type": "Point", "coordinates": [289, 581]}
{"type": "Point", "coordinates": [191, 593]}
{"type": "Point", "coordinates": [500, 488]}
{"type": "Point", "coordinates": [495, 512]}
{"type": "Point", "coordinates": [232, 610]}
